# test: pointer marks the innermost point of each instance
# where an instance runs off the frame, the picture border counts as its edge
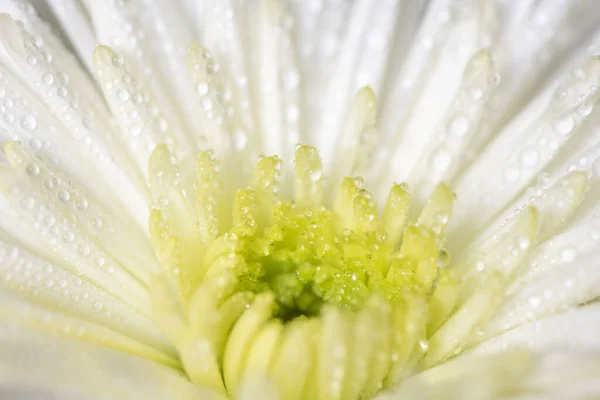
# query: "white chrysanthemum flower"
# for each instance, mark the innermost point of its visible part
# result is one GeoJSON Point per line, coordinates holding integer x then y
{"type": "Point", "coordinates": [148, 249]}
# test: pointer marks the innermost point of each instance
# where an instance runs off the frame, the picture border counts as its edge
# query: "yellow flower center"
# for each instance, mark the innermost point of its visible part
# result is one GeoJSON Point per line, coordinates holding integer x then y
{"type": "Point", "coordinates": [323, 302]}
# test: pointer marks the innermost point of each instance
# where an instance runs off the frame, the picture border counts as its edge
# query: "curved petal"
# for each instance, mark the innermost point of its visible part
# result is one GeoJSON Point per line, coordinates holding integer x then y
{"type": "Point", "coordinates": [575, 328]}
{"type": "Point", "coordinates": [33, 364]}
{"type": "Point", "coordinates": [555, 374]}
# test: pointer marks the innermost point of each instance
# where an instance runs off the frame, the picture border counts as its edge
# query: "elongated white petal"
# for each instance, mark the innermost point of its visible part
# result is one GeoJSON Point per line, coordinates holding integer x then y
{"type": "Point", "coordinates": [55, 288]}
{"type": "Point", "coordinates": [25, 312]}
{"type": "Point", "coordinates": [39, 223]}
{"type": "Point", "coordinates": [565, 287]}
{"type": "Point", "coordinates": [274, 77]}
{"type": "Point", "coordinates": [85, 370]}
{"type": "Point", "coordinates": [113, 233]}
{"type": "Point", "coordinates": [524, 68]}
{"type": "Point", "coordinates": [443, 158]}
{"type": "Point", "coordinates": [572, 329]}
{"type": "Point", "coordinates": [357, 142]}
{"type": "Point", "coordinates": [556, 373]}
{"type": "Point", "coordinates": [429, 80]}
{"type": "Point", "coordinates": [49, 112]}
{"type": "Point", "coordinates": [74, 21]}
{"type": "Point", "coordinates": [524, 147]}
{"type": "Point", "coordinates": [120, 25]}
{"type": "Point", "coordinates": [341, 86]}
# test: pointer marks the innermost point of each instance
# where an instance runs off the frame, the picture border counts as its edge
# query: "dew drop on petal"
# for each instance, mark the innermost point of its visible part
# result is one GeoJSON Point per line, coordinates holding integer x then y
{"type": "Point", "coordinates": [585, 109]}
{"type": "Point", "coordinates": [28, 123]}
{"type": "Point", "coordinates": [511, 174]}
{"type": "Point", "coordinates": [529, 158]}
{"type": "Point", "coordinates": [441, 159]}
{"type": "Point", "coordinates": [81, 204]}
{"type": "Point", "coordinates": [524, 242]}
{"type": "Point", "coordinates": [459, 126]}
{"type": "Point", "coordinates": [48, 79]}
{"type": "Point", "coordinates": [84, 250]}
{"type": "Point", "coordinates": [535, 301]}
{"type": "Point", "coordinates": [202, 88]}
{"type": "Point", "coordinates": [32, 170]}
{"type": "Point", "coordinates": [64, 196]}
{"type": "Point", "coordinates": [568, 253]}
{"type": "Point", "coordinates": [565, 125]}
{"type": "Point", "coordinates": [123, 95]}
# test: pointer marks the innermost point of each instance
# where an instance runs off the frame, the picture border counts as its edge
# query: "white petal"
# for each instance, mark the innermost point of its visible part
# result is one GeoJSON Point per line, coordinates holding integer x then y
{"type": "Point", "coordinates": [113, 233]}
{"type": "Point", "coordinates": [64, 59]}
{"type": "Point", "coordinates": [565, 287]}
{"type": "Point", "coordinates": [523, 148]}
{"type": "Point", "coordinates": [555, 374]}
{"type": "Point", "coordinates": [49, 111]}
{"type": "Point", "coordinates": [575, 328]}
{"type": "Point", "coordinates": [37, 221]}
{"type": "Point", "coordinates": [133, 105]}
{"type": "Point", "coordinates": [341, 86]}
{"type": "Point", "coordinates": [74, 21]}
{"type": "Point", "coordinates": [222, 27]}
{"type": "Point", "coordinates": [131, 29]}
{"type": "Point", "coordinates": [449, 35]}
{"type": "Point", "coordinates": [444, 156]}
{"type": "Point", "coordinates": [55, 288]}
{"type": "Point", "coordinates": [274, 77]}
{"type": "Point", "coordinates": [526, 67]}
{"type": "Point", "coordinates": [14, 307]}
{"type": "Point", "coordinates": [35, 363]}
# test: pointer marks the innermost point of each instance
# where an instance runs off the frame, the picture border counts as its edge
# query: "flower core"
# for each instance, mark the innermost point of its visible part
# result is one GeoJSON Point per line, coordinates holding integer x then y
{"type": "Point", "coordinates": [323, 302]}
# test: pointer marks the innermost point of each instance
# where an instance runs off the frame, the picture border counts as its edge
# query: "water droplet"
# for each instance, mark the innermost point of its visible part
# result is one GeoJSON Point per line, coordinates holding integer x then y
{"type": "Point", "coordinates": [163, 201]}
{"type": "Point", "coordinates": [98, 223]}
{"type": "Point", "coordinates": [123, 95]}
{"type": "Point", "coordinates": [202, 88]}
{"type": "Point", "coordinates": [69, 237]}
{"type": "Point", "coordinates": [524, 242]}
{"type": "Point", "coordinates": [84, 250]}
{"type": "Point", "coordinates": [476, 93]}
{"type": "Point", "coordinates": [535, 301]}
{"type": "Point", "coordinates": [480, 266]}
{"type": "Point", "coordinates": [117, 60]}
{"type": "Point", "coordinates": [207, 104]}
{"type": "Point", "coordinates": [64, 196]}
{"type": "Point", "coordinates": [28, 123]}
{"type": "Point", "coordinates": [240, 140]}
{"type": "Point", "coordinates": [565, 125]}
{"type": "Point", "coordinates": [568, 253]}
{"type": "Point", "coordinates": [459, 126]}
{"type": "Point", "coordinates": [135, 130]}
{"type": "Point", "coordinates": [291, 79]}
{"type": "Point", "coordinates": [162, 125]}
{"type": "Point", "coordinates": [579, 73]}
{"type": "Point", "coordinates": [28, 203]}
{"type": "Point", "coordinates": [529, 158]}
{"type": "Point", "coordinates": [441, 159]}
{"type": "Point", "coordinates": [48, 79]}
{"type": "Point", "coordinates": [81, 204]}
{"type": "Point", "coordinates": [511, 174]}
{"type": "Point", "coordinates": [585, 109]}
{"type": "Point", "coordinates": [32, 170]}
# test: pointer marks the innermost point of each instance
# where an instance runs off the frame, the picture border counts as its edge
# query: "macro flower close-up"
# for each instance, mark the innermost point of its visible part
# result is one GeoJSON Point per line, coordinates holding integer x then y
{"type": "Point", "coordinates": [299, 199]}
